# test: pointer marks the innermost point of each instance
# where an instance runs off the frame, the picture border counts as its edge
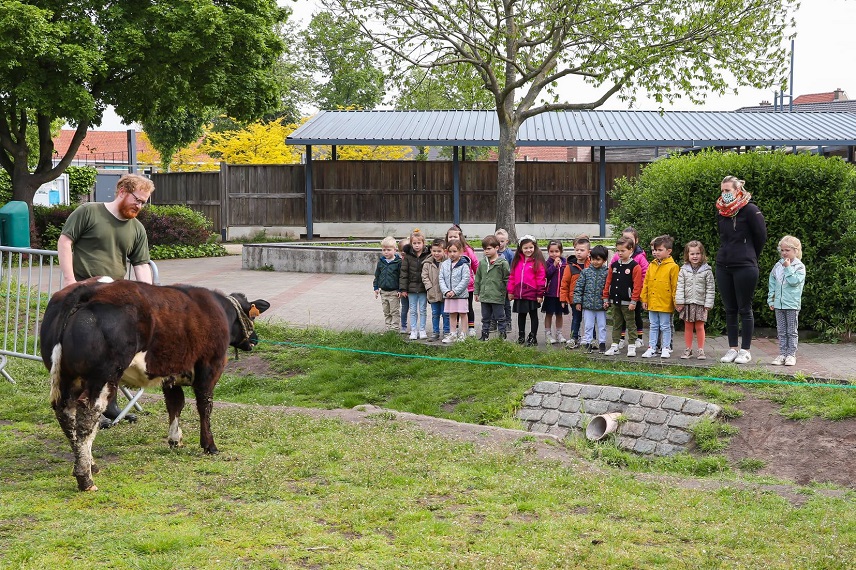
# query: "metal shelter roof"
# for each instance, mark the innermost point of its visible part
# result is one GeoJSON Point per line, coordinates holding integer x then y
{"type": "Point", "coordinates": [580, 128]}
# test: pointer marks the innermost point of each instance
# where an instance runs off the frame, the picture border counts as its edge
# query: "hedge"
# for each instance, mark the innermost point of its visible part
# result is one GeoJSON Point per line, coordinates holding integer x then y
{"type": "Point", "coordinates": [810, 197]}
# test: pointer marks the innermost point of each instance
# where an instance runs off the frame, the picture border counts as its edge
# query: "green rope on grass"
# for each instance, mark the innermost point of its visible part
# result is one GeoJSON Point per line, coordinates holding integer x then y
{"type": "Point", "coordinates": [560, 368]}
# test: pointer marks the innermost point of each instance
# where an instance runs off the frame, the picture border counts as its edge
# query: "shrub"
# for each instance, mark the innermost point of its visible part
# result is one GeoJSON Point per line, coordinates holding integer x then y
{"type": "Point", "coordinates": [5, 187]}
{"type": "Point", "coordinates": [81, 179]}
{"type": "Point", "coordinates": [810, 197]}
{"type": "Point", "coordinates": [173, 231]}
{"type": "Point", "coordinates": [175, 225]}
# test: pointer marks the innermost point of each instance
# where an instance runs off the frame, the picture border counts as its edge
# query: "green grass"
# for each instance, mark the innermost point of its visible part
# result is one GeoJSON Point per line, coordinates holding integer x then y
{"type": "Point", "coordinates": [290, 491]}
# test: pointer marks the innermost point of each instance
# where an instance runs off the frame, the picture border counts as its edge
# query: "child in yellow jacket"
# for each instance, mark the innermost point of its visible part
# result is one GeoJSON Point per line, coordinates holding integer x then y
{"type": "Point", "coordinates": [658, 296]}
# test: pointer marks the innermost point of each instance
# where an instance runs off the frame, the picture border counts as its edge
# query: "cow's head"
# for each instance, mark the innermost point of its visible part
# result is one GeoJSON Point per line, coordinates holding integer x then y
{"type": "Point", "coordinates": [243, 333]}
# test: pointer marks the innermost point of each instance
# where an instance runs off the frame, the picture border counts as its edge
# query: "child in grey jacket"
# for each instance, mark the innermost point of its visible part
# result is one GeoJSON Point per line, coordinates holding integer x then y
{"type": "Point", "coordinates": [454, 280]}
{"type": "Point", "coordinates": [694, 296]}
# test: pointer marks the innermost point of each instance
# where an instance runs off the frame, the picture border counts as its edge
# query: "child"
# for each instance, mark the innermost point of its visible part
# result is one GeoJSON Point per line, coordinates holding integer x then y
{"type": "Point", "coordinates": [405, 302]}
{"type": "Point", "coordinates": [638, 256]}
{"type": "Point", "coordinates": [386, 278]}
{"type": "Point", "coordinates": [622, 290]}
{"type": "Point", "coordinates": [556, 269]}
{"type": "Point", "coordinates": [587, 298]}
{"type": "Point", "coordinates": [455, 232]}
{"type": "Point", "coordinates": [576, 264]}
{"type": "Point", "coordinates": [490, 287]}
{"type": "Point", "coordinates": [526, 287]}
{"type": "Point", "coordinates": [658, 295]}
{"type": "Point", "coordinates": [410, 283]}
{"type": "Point", "coordinates": [454, 277]}
{"type": "Point", "coordinates": [694, 297]}
{"type": "Point", "coordinates": [431, 280]}
{"type": "Point", "coordinates": [505, 251]}
{"type": "Point", "coordinates": [784, 296]}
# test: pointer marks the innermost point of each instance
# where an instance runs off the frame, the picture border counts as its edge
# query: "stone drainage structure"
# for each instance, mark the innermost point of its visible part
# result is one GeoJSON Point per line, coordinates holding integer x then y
{"type": "Point", "coordinates": [652, 423]}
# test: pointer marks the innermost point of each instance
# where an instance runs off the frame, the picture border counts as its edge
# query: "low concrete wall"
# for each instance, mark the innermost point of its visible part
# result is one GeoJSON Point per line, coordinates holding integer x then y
{"type": "Point", "coordinates": [655, 423]}
{"type": "Point", "coordinates": [474, 232]}
{"type": "Point", "coordinates": [306, 258]}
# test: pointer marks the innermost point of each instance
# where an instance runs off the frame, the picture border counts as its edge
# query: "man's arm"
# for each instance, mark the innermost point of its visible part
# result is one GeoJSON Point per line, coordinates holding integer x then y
{"type": "Point", "coordinates": [143, 273]}
{"type": "Point", "coordinates": [66, 263]}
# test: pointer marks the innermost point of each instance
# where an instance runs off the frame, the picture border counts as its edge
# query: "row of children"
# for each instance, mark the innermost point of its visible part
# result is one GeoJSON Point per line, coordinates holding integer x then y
{"type": "Point", "coordinates": [450, 277]}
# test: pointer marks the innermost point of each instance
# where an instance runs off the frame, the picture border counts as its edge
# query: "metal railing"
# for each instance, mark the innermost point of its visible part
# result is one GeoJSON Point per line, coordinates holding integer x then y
{"type": "Point", "coordinates": [28, 279]}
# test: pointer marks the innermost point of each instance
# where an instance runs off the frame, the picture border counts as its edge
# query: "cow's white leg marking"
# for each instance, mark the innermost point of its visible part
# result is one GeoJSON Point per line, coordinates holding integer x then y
{"type": "Point", "coordinates": [175, 435]}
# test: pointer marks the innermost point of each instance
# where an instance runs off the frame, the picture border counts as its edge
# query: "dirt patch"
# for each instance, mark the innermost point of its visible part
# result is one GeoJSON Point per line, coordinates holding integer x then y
{"type": "Point", "coordinates": [249, 364]}
{"type": "Point", "coordinates": [804, 451]}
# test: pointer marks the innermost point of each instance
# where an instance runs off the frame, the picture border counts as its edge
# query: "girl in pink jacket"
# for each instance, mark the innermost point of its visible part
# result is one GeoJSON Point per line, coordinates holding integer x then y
{"type": "Point", "coordinates": [526, 287]}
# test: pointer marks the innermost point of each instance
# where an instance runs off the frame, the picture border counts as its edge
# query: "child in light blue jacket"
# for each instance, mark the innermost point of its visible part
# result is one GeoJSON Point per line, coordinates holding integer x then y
{"type": "Point", "coordinates": [784, 296]}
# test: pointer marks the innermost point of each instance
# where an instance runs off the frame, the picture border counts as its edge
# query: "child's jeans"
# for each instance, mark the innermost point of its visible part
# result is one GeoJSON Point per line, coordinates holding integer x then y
{"type": "Point", "coordinates": [418, 311]}
{"type": "Point", "coordinates": [786, 326]}
{"type": "Point", "coordinates": [576, 321]}
{"type": "Point", "coordinates": [661, 325]}
{"type": "Point", "coordinates": [594, 320]}
{"type": "Point", "coordinates": [436, 313]}
{"type": "Point", "coordinates": [493, 312]}
{"type": "Point", "coordinates": [405, 311]}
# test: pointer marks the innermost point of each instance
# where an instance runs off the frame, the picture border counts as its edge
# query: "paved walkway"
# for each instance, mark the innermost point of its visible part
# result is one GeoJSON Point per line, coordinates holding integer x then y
{"type": "Point", "coordinates": [346, 302]}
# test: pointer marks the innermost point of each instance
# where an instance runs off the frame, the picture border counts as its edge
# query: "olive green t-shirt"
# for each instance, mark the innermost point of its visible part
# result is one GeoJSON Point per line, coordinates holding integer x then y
{"type": "Point", "coordinates": [102, 242]}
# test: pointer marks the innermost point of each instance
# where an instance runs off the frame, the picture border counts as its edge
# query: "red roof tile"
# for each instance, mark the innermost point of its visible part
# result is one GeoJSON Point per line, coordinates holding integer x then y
{"type": "Point", "coordinates": [815, 98]}
{"type": "Point", "coordinates": [101, 146]}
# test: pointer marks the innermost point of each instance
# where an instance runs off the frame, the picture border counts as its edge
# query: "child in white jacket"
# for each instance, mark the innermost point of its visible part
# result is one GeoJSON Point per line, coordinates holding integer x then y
{"type": "Point", "coordinates": [694, 296]}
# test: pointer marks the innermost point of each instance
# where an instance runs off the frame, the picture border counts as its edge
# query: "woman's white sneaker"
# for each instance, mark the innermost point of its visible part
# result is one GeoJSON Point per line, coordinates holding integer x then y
{"type": "Point", "coordinates": [729, 356]}
{"type": "Point", "coordinates": [743, 357]}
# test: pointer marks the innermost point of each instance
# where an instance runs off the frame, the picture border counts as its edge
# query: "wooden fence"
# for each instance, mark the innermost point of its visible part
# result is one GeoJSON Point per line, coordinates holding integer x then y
{"type": "Point", "coordinates": [387, 191]}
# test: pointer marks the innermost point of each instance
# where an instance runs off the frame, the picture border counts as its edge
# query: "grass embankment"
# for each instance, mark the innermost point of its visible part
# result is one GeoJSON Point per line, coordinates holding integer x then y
{"type": "Point", "coordinates": [291, 491]}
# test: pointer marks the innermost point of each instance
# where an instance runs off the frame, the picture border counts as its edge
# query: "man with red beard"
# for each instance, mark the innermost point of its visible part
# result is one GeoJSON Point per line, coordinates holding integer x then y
{"type": "Point", "coordinates": [98, 239]}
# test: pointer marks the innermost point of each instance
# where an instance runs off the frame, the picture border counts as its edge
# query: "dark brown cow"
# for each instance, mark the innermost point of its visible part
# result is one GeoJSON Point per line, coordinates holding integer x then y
{"type": "Point", "coordinates": [96, 334]}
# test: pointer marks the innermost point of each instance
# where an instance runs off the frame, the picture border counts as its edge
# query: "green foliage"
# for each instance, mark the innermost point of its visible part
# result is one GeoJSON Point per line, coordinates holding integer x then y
{"type": "Point", "coordinates": [810, 197]}
{"type": "Point", "coordinates": [712, 436]}
{"type": "Point", "coordinates": [81, 180]}
{"type": "Point", "coordinates": [337, 49]}
{"type": "Point", "coordinates": [186, 251]}
{"type": "Point", "coordinates": [170, 131]}
{"type": "Point", "coordinates": [48, 221]}
{"type": "Point", "coordinates": [67, 61]}
{"type": "Point", "coordinates": [175, 225]}
{"type": "Point", "coordinates": [751, 465]}
{"type": "Point", "coordinates": [5, 187]}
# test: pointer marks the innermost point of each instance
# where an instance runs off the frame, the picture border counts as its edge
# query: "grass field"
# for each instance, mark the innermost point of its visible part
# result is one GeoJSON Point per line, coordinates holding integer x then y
{"type": "Point", "coordinates": [291, 491]}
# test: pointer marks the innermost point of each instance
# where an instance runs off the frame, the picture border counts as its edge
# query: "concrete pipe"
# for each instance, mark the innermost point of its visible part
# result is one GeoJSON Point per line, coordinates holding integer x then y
{"type": "Point", "coordinates": [602, 425]}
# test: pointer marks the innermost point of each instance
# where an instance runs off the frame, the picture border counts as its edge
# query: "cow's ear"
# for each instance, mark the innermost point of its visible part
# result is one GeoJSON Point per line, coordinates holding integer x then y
{"type": "Point", "coordinates": [261, 305]}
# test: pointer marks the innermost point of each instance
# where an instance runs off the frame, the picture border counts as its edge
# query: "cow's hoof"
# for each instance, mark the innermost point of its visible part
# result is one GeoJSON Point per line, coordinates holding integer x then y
{"type": "Point", "coordinates": [131, 418]}
{"type": "Point", "coordinates": [174, 444]}
{"type": "Point", "coordinates": [85, 483]}
{"type": "Point", "coordinates": [91, 489]}
{"type": "Point", "coordinates": [212, 451]}
{"type": "Point", "coordinates": [105, 423]}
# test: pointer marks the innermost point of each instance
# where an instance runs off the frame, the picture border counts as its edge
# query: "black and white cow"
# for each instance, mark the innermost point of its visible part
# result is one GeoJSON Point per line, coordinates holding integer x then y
{"type": "Point", "coordinates": [96, 334]}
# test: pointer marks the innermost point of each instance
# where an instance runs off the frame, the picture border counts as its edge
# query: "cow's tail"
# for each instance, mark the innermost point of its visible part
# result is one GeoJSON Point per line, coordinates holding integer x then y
{"type": "Point", "coordinates": [56, 356]}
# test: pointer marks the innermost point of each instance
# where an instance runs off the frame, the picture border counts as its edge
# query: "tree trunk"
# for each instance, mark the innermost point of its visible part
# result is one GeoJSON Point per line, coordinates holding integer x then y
{"type": "Point", "coordinates": [506, 215]}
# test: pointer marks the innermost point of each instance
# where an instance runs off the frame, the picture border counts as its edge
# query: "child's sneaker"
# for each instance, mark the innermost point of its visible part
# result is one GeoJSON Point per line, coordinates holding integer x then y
{"type": "Point", "coordinates": [631, 350]}
{"type": "Point", "coordinates": [650, 353]}
{"type": "Point", "coordinates": [548, 337]}
{"type": "Point", "coordinates": [701, 355]}
{"type": "Point", "coordinates": [471, 332]}
{"type": "Point", "coordinates": [485, 335]}
{"type": "Point", "coordinates": [688, 353]}
{"type": "Point", "coordinates": [666, 352]}
{"type": "Point", "coordinates": [423, 335]}
{"type": "Point", "coordinates": [449, 338]}
{"type": "Point", "coordinates": [571, 344]}
{"type": "Point", "coordinates": [638, 342]}
{"type": "Point", "coordinates": [601, 348]}
{"type": "Point", "coordinates": [560, 338]}
{"type": "Point", "coordinates": [779, 360]}
{"type": "Point", "coordinates": [622, 343]}
{"type": "Point", "coordinates": [461, 337]}
{"type": "Point", "coordinates": [613, 350]}
{"type": "Point", "coordinates": [414, 334]}
{"type": "Point", "coordinates": [790, 360]}
{"type": "Point", "coordinates": [592, 347]}
{"type": "Point", "coordinates": [434, 337]}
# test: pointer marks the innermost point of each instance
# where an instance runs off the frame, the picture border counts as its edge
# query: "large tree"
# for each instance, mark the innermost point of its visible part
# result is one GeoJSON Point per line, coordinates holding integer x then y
{"type": "Point", "coordinates": [70, 59]}
{"type": "Point", "coordinates": [523, 49]}
{"type": "Point", "coordinates": [338, 51]}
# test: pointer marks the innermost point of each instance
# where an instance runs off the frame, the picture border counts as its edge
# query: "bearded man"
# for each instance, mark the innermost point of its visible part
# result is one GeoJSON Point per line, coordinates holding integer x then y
{"type": "Point", "coordinates": [98, 239]}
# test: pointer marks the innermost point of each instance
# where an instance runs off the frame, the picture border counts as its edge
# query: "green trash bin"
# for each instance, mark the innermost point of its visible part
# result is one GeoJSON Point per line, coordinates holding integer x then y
{"type": "Point", "coordinates": [15, 224]}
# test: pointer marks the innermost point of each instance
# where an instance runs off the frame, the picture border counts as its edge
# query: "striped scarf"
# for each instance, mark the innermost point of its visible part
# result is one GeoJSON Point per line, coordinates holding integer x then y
{"type": "Point", "coordinates": [729, 204]}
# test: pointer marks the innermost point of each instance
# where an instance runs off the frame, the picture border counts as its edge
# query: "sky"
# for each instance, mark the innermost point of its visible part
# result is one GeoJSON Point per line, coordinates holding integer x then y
{"type": "Point", "coordinates": [824, 48]}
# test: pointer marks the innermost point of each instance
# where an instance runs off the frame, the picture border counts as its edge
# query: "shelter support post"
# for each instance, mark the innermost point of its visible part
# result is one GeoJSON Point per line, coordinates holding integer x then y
{"type": "Point", "coordinates": [456, 187]}
{"type": "Point", "coordinates": [851, 154]}
{"type": "Point", "coordinates": [602, 193]}
{"type": "Point", "coordinates": [308, 171]}
{"type": "Point", "coordinates": [333, 154]}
